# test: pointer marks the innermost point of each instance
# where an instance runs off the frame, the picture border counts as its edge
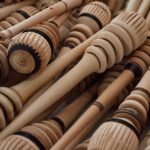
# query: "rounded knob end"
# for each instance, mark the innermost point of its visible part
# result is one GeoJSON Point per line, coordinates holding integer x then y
{"type": "Point", "coordinates": [114, 136]}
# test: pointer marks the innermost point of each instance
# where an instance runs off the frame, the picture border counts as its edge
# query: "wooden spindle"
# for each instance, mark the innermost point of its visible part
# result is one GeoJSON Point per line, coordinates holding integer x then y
{"type": "Point", "coordinates": [16, 17]}
{"type": "Point", "coordinates": [127, 123]}
{"type": "Point", "coordinates": [54, 10]}
{"type": "Point", "coordinates": [27, 57]}
{"type": "Point", "coordinates": [91, 19]}
{"type": "Point", "coordinates": [110, 74]}
{"type": "Point", "coordinates": [104, 102]}
{"type": "Point", "coordinates": [66, 27]}
{"type": "Point", "coordinates": [94, 60]}
{"type": "Point", "coordinates": [38, 78]}
{"type": "Point", "coordinates": [53, 128]}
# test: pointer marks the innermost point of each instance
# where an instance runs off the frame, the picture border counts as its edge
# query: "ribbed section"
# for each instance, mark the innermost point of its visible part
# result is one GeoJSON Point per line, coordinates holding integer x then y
{"type": "Point", "coordinates": [114, 136]}
{"type": "Point", "coordinates": [36, 136]}
{"type": "Point", "coordinates": [32, 50]}
{"type": "Point", "coordinates": [135, 25]}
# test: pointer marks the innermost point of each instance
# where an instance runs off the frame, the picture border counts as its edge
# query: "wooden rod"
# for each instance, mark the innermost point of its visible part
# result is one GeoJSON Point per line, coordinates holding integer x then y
{"type": "Point", "coordinates": [54, 10]}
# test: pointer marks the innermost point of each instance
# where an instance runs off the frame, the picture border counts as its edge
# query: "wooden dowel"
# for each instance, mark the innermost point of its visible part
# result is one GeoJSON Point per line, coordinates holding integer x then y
{"type": "Point", "coordinates": [68, 114]}
{"type": "Point", "coordinates": [36, 95]}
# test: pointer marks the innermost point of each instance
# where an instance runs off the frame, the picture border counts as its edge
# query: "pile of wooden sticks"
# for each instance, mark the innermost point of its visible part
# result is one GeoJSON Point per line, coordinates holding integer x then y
{"type": "Point", "coordinates": [74, 74]}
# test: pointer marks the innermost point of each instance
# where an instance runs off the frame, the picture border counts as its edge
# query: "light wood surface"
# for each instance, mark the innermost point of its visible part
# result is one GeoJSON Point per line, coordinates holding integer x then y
{"type": "Point", "coordinates": [47, 13]}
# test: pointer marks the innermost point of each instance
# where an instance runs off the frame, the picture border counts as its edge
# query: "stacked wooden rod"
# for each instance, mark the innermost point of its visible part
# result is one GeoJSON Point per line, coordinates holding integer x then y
{"type": "Point", "coordinates": [19, 99]}
{"type": "Point", "coordinates": [104, 102]}
{"type": "Point", "coordinates": [51, 11]}
{"type": "Point", "coordinates": [64, 118]}
{"type": "Point", "coordinates": [127, 123]}
{"type": "Point", "coordinates": [26, 57]}
{"type": "Point", "coordinates": [63, 48]}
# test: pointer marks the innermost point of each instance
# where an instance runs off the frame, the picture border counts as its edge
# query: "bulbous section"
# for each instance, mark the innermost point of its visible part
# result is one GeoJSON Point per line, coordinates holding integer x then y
{"type": "Point", "coordinates": [113, 136]}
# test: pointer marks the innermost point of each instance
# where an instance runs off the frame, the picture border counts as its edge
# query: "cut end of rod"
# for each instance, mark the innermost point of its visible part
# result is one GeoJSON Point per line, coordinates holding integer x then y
{"type": "Point", "coordinates": [5, 34]}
